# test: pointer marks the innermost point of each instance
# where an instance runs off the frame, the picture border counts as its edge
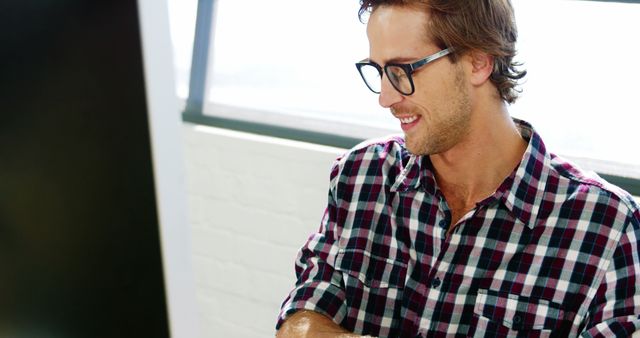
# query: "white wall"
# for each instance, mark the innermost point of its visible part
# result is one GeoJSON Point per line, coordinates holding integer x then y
{"type": "Point", "coordinates": [253, 201]}
{"type": "Point", "coordinates": [168, 169]}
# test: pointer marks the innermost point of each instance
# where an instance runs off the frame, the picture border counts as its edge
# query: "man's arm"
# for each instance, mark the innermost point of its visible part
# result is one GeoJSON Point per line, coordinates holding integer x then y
{"type": "Point", "coordinates": [616, 309]}
{"type": "Point", "coordinates": [312, 325]}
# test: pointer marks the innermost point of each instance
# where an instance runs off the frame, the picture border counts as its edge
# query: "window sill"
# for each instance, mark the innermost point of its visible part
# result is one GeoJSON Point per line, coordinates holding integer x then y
{"type": "Point", "coordinates": [346, 135]}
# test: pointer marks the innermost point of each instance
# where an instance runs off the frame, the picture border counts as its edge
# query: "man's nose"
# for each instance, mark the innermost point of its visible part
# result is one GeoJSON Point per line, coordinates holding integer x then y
{"type": "Point", "coordinates": [388, 94]}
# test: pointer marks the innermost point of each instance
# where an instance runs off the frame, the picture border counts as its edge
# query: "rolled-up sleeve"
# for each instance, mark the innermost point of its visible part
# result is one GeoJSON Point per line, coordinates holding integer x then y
{"type": "Point", "coordinates": [319, 287]}
{"type": "Point", "coordinates": [616, 308]}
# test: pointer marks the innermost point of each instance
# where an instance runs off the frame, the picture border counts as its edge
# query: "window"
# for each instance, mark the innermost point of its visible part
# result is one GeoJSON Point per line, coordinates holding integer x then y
{"type": "Point", "coordinates": [291, 63]}
{"type": "Point", "coordinates": [296, 58]}
{"type": "Point", "coordinates": [583, 76]}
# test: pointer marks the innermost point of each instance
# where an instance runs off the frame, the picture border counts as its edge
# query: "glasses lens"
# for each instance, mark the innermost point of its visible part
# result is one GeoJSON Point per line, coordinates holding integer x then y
{"type": "Point", "coordinates": [399, 79]}
{"type": "Point", "coordinates": [371, 77]}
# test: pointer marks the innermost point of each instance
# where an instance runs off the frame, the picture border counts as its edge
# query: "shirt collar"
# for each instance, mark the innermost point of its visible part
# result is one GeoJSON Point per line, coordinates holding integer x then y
{"type": "Point", "coordinates": [521, 193]}
{"type": "Point", "coordinates": [413, 173]}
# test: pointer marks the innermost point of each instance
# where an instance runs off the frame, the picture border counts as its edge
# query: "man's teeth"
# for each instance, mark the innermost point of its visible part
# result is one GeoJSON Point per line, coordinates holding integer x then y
{"type": "Point", "coordinates": [408, 119]}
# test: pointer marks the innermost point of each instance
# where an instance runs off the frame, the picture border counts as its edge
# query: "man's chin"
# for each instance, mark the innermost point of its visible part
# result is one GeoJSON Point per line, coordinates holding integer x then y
{"type": "Point", "coordinates": [414, 148]}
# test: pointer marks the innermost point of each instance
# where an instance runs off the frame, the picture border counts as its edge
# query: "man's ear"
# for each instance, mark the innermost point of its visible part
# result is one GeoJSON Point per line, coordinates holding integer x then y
{"type": "Point", "coordinates": [481, 67]}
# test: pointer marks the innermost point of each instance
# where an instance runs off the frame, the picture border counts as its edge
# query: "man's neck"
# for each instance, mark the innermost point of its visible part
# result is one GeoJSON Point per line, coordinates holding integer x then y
{"type": "Point", "coordinates": [475, 168]}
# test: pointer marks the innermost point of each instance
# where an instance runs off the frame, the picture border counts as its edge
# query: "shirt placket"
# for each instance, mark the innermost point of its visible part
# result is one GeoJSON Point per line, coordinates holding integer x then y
{"type": "Point", "coordinates": [429, 231]}
{"type": "Point", "coordinates": [435, 276]}
{"type": "Point", "coordinates": [435, 294]}
{"type": "Point", "coordinates": [441, 266]}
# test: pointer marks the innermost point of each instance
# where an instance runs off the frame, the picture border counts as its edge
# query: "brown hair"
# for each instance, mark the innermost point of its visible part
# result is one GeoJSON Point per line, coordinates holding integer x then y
{"type": "Point", "coordinates": [482, 25]}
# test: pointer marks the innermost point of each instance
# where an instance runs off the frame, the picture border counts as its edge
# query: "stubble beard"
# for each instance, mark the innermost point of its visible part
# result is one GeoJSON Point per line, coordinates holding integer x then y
{"type": "Point", "coordinates": [443, 130]}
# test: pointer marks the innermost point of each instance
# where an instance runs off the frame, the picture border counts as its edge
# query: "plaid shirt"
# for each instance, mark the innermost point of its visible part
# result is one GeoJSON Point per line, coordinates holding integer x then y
{"type": "Point", "coordinates": [553, 252]}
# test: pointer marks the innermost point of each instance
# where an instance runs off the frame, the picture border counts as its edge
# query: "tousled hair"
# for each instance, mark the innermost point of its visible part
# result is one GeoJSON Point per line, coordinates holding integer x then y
{"type": "Point", "coordinates": [471, 25]}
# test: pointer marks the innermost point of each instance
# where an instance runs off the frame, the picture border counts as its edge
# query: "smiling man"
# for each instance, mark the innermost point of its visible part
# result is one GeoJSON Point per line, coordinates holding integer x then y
{"type": "Point", "coordinates": [467, 225]}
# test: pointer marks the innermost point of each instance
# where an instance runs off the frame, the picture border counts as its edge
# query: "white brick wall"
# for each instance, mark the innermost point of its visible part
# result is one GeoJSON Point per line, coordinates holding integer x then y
{"type": "Point", "coordinates": [253, 201]}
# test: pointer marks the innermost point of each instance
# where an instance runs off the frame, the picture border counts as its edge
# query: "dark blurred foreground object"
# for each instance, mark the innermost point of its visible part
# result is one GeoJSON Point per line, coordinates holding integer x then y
{"type": "Point", "coordinates": [79, 237]}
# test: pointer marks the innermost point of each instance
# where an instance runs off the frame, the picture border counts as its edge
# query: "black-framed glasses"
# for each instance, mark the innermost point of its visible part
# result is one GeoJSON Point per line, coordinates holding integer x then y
{"type": "Point", "coordinates": [399, 74]}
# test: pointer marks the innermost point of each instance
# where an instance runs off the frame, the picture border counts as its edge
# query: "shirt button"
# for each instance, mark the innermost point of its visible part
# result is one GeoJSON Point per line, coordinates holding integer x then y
{"type": "Point", "coordinates": [443, 223]}
{"type": "Point", "coordinates": [436, 282]}
{"type": "Point", "coordinates": [517, 319]}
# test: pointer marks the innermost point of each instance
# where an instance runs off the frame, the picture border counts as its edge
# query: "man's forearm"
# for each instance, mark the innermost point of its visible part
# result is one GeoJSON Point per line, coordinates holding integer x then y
{"type": "Point", "coordinates": [310, 324]}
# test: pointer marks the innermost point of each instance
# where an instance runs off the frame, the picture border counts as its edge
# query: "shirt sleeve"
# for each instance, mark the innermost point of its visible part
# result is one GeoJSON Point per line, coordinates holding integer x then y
{"type": "Point", "coordinates": [319, 287]}
{"type": "Point", "coordinates": [616, 308]}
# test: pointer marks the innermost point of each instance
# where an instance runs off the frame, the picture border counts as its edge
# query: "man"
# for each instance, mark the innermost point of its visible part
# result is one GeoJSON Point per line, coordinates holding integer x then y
{"type": "Point", "coordinates": [467, 226]}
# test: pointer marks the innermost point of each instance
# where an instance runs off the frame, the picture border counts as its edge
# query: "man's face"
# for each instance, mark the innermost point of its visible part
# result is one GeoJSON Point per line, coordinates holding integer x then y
{"type": "Point", "coordinates": [436, 116]}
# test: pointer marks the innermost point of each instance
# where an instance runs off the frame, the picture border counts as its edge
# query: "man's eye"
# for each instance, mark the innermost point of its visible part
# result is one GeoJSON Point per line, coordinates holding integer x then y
{"type": "Point", "coordinates": [398, 74]}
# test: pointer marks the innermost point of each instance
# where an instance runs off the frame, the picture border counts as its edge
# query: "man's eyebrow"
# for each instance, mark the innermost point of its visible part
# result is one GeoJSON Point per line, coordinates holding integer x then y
{"type": "Point", "coordinates": [395, 60]}
{"type": "Point", "coordinates": [402, 60]}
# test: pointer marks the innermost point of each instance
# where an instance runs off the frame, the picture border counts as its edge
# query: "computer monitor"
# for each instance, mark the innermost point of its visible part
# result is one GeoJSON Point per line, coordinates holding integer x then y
{"type": "Point", "coordinates": [80, 251]}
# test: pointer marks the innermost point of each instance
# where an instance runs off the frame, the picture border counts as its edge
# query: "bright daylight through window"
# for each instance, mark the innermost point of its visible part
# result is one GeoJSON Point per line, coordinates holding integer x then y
{"type": "Point", "coordinates": [293, 61]}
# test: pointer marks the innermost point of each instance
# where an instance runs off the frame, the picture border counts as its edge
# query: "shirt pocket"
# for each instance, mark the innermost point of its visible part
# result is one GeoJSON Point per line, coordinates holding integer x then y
{"type": "Point", "coordinates": [370, 270]}
{"type": "Point", "coordinates": [373, 290]}
{"type": "Point", "coordinates": [508, 315]}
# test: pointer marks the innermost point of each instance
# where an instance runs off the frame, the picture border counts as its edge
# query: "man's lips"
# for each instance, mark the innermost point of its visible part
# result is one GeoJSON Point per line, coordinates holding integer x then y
{"type": "Point", "coordinates": [408, 119]}
{"type": "Point", "coordinates": [408, 122]}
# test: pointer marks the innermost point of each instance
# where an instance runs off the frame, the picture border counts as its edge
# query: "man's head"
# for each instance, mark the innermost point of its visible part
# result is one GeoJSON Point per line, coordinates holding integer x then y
{"type": "Point", "coordinates": [486, 26]}
{"type": "Point", "coordinates": [438, 102]}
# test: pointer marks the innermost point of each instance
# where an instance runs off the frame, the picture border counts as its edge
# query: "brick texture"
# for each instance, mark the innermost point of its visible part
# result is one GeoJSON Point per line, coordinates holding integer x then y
{"type": "Point", "coordinates": [253, 201]}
